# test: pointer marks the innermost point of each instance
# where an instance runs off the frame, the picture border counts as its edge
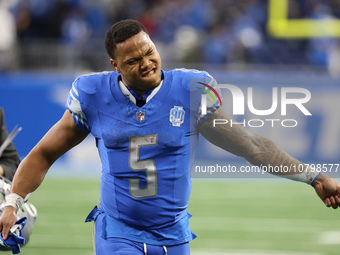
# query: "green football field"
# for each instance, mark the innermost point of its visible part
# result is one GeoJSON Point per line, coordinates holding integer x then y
{"type": "Point", "coordinates": [230, 217]}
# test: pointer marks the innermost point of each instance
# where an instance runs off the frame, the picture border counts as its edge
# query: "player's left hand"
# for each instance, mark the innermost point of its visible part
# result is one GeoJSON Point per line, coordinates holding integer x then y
{"type": "Point", "coordinates": [328, 190]}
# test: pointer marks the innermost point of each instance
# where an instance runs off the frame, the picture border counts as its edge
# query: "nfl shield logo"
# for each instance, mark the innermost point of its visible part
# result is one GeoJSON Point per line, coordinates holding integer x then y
{"type": "Point", "coordinates": [177, 116]}
{"type": "Point", "coordinates": [140, 116]}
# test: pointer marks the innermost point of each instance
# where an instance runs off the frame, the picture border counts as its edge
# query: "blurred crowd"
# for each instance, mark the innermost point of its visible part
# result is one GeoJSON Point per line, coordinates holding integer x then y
{"type": "Point", "coordinates": [195, 31]}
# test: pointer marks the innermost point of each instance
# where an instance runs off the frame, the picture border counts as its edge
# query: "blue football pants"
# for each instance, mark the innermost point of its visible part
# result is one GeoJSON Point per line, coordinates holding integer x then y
{"type": "Point", "coordinates": [121, 246]}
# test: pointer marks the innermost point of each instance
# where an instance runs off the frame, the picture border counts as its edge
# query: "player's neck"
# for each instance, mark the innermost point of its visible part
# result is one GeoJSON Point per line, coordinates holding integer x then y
{"type": "Point", "coordinates": [137, 91]}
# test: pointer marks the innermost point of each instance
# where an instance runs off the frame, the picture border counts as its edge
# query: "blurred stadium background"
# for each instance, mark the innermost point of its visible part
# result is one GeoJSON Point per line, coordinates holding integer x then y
{"type": "Point", "coordinates": [45, 45]}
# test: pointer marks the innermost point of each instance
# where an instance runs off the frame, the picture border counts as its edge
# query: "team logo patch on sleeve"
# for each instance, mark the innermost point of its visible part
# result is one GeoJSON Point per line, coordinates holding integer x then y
{"type": "Point", "coordinates": [177, 116]}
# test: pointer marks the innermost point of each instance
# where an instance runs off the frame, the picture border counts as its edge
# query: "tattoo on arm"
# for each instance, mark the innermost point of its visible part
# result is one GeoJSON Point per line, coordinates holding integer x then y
{"type": "Point", "coordinates": [236, 139]}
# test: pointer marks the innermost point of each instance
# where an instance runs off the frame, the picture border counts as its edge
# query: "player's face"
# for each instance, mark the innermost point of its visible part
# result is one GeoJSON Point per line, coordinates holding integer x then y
{"type": "Point", "coordinates": [138, 62]}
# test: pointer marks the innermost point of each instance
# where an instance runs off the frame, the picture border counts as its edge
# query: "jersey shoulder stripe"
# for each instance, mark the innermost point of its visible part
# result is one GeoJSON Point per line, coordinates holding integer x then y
{"type": "Point", "coordinates": [84, 84]}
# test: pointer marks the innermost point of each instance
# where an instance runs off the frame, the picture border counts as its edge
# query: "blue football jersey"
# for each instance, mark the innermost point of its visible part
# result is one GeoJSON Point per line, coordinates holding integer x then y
{"type": "Point", "coordinates": [145, 151]}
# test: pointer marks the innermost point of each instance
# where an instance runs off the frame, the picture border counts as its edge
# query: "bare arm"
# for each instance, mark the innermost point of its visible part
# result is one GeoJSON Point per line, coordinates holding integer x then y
{"type": "Point", "coordinates": [261, 151]}
{"type": "Point", "coordinates": [63, 136]}
{"type": "Point", "coordinates": [238, 140]}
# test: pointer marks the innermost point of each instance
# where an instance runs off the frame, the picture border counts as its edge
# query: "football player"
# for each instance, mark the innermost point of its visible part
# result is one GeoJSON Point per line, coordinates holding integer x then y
{"type": "Point", "coordinates": [146, 128]}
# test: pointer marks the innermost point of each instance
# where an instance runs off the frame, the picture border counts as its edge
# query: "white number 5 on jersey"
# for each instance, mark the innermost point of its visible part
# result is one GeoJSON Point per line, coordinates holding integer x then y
{"type": "Point", "coordinates": [135, 142]}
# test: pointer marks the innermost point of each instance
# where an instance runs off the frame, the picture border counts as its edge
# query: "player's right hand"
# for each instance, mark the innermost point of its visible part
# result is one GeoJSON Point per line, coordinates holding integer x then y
{"type": "Point", "coordinates": [7, 220]}
{"type": "Point", "coordinates": [328, 190]}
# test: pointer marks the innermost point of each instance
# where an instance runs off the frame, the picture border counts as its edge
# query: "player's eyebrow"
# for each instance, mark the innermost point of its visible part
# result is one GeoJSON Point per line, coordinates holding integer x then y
{"type": "Point", "coordinates": [131, 60]}
{"type": "Point", "coordinates": [150, 50]}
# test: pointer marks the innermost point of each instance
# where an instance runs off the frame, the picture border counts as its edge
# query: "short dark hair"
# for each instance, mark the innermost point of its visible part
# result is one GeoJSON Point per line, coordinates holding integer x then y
{"type": "Point", "coordinates": [120, 32]}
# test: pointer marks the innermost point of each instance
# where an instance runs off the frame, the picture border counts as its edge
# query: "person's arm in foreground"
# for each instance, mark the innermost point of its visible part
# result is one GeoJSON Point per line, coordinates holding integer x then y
{"type": "Point", "coordinates": [262, 151]}
{"type": "Point", "coordinates": [63, 136]}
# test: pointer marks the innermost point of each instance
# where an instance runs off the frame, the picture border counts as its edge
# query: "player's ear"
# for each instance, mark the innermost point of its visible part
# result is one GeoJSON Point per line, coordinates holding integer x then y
{"type": "Point", "coordinates": [115, 65]}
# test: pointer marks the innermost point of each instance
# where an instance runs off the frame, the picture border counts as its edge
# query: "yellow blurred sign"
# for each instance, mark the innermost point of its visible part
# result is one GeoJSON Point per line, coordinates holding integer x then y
{"type": "Point", "coordinates": [280, 26]}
